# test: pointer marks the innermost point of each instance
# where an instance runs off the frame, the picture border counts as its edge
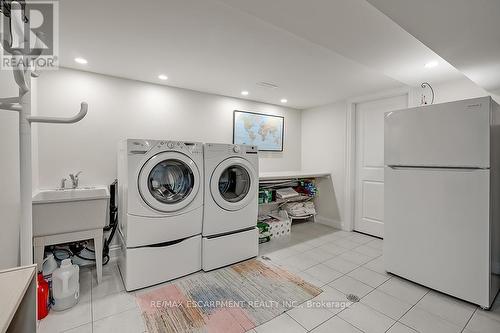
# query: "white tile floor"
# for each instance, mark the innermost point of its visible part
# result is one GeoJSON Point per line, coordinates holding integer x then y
{"type": "Point", "coordinates": [339, 262]}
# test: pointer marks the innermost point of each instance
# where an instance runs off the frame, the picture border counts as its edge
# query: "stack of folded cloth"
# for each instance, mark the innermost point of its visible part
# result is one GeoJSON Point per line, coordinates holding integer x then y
{"type": "Point", "coordinates": [299, 209]}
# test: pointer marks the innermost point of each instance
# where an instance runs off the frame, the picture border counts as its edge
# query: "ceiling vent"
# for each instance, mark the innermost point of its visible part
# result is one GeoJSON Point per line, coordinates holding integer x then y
{"type": "Point", "coordinates": [269, 85]}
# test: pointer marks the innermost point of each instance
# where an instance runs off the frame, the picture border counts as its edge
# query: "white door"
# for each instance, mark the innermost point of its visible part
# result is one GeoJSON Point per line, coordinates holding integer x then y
{"type": "Point", "coordinates": [369, 192]}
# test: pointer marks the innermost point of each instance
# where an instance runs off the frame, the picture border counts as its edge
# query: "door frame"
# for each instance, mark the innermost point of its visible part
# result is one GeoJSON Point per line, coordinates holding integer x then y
{"type": "Point", "coordinates": [350, 148]}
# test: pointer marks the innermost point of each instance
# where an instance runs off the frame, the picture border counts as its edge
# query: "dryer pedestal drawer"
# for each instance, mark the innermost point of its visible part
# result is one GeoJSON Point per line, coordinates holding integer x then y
{"type": "Point", "coordinates": [228, 249]}
{"type": "Point", "coordinates": [145, 266]}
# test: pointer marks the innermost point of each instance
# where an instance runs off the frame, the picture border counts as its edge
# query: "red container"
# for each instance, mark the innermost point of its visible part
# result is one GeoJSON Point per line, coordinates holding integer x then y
{"type": "Point", "coordinates": [43, 297]}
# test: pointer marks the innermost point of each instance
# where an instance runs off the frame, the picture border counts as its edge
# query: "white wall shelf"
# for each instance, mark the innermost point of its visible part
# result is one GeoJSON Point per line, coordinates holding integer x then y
{"type": "Point", "coordinates": [322, 202]}
{"type": "Point", "coordinates": [285, 175]}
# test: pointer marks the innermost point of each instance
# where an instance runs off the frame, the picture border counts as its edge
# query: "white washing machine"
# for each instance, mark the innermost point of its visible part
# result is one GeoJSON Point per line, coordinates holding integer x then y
{"type": "Point", "coordinates": [231, 204]}
{"type": "Point", "coordinates": [160, 193]}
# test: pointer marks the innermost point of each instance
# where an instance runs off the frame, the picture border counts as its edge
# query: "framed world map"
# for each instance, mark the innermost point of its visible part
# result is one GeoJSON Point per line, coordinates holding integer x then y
{"type": "Point", "coordinates": [261, 130]}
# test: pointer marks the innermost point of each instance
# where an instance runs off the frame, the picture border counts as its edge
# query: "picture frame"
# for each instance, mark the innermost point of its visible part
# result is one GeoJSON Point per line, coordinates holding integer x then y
{"type": "Point", "coordinates": [265, 131]}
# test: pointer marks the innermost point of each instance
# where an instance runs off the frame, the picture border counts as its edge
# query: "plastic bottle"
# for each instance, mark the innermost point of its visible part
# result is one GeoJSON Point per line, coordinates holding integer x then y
{"type": "Point", "coordinates": [65, 285]}
{"type": "Point", "coordinates": [42, 297]}
{"type": "Point", "coordinates": [49, 265]}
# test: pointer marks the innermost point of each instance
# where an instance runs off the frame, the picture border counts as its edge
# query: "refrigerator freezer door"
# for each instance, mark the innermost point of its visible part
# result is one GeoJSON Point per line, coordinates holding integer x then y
{"type": "Point", "coordinates": [455, 134]}
{"type": "Point", "coordinates": [437, 230]}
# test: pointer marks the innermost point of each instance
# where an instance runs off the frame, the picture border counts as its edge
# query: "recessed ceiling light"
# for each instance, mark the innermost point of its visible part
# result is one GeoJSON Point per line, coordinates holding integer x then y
{"type": "Point", "coordinates": [244, 93]}
{"type": "Point", "coordinates": [163, 77]}
{"type": "Point", "coordinates": [284, 100]}
{"type": "Point", "coordinates": [431, 64]}
{"type": "Point", "coordinates": [81, 61]}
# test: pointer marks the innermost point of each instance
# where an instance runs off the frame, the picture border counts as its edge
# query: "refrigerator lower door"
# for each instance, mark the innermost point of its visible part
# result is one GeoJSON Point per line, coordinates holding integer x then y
{"type": "Point", "coordinates": [437, 229]}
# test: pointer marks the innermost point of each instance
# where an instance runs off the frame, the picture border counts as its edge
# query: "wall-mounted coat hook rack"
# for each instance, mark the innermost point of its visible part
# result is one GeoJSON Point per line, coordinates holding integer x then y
{"type": "Point", "coordinates": [10, 104]}
{"type": "Point", "coordinates": [58, 120]}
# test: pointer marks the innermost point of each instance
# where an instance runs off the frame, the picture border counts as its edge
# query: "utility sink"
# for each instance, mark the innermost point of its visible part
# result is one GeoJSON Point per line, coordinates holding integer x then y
{"type": "Point", "coordinates": [69, 210]}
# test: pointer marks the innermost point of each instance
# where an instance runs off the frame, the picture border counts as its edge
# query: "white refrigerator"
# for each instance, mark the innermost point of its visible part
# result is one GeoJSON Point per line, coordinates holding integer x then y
{"type": "Point", "coordinates": [442, 197]}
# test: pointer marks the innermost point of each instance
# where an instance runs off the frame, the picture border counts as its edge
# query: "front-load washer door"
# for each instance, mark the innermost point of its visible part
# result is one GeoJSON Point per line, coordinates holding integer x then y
{"type": "Point", "coordinates": [169, 181]}
{"type": "Point", "coordinates": [234, 183]}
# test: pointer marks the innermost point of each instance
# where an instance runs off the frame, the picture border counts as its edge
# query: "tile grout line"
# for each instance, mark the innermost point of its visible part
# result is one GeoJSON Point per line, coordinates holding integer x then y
{"type": "Point", "coordinates": [470, 318]}
{"type": "Point", "coordinates": [356, 327]}
{"type": "Point", "coordinates": [367, 305]}
{"type": "Point", "coordinates": [336, 314]}
{"type": "Point", "coordinates": [395, 320]}
{"type": "Point", "coordinates": [104, 296]}
{"type": "Point", "coordinates": [343, 274]}
{"type": "Point", "coordinates": [414, 305]}
{"type": "Point", "coordinates": [286, 313]}
{"type": "Point", "coordinates": [364, 265]}
{"type": "Point", "coordinates": [442, 317]}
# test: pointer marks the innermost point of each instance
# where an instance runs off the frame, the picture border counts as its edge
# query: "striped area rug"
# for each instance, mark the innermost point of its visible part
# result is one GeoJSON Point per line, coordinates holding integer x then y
{"type": "Point", "coordinates": [236, 298]}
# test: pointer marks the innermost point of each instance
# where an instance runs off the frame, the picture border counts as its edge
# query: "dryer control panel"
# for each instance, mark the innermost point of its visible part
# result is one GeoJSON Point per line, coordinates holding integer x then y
{"type": "Point", "coordinates": [231, 148]}
{"type": "Point", "coordinates": [242, 149]}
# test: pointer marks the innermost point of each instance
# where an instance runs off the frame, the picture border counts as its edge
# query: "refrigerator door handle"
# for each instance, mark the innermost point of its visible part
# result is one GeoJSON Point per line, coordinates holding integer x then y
{"type": "Point", "coordinates": [466, 169]}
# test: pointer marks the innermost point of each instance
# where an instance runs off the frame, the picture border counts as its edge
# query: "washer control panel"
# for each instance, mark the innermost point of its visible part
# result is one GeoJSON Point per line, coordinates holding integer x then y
{"type": "Point", "coordinates": [191, 147]}
{"type": "Point", "coordinates": [139, 147]}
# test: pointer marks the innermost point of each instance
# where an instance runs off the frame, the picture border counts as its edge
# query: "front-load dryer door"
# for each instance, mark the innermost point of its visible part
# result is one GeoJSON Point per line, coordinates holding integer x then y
{"type": "Point", "coordinates": [169, 181]}
{"type": "Point", "coordinates": [234, 183]}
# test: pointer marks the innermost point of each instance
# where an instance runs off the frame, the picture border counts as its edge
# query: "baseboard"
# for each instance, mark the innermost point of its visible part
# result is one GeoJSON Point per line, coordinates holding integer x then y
{"type": "Point", "coordinates": [329, 222]}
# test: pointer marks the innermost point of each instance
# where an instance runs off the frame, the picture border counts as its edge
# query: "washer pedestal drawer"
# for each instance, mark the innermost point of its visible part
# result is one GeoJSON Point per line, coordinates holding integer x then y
{"type": "Point", "coordinates": [228, 249]}
{"type": "Point", "coordinates": [145, 266]}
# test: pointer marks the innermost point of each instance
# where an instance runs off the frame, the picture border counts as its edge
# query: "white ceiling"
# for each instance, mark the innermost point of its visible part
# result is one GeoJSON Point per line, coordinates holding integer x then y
{"type": "Point", "coordinates": [356, 30]}
{"type": "Point", "coordinates": [316, 52]}
{"type": "Point", "coordinates": [465, 32]}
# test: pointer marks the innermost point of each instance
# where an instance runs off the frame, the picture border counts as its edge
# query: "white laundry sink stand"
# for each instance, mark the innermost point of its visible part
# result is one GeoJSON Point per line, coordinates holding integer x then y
{"type": "Point", "coordinates": [40, 242]}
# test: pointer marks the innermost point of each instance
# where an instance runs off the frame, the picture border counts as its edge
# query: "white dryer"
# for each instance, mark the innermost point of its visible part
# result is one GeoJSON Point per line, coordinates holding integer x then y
{"type": "Point", "coordinates": [160, 193]}
{"type": "Point", "coordinates": [231, 204]}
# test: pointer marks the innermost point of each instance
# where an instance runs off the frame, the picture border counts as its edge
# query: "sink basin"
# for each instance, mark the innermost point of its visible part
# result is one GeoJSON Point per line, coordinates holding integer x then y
{"type": "Point", "coordinates": [61, 211]}
{"type": "Point", "coordinates": [64, 195]}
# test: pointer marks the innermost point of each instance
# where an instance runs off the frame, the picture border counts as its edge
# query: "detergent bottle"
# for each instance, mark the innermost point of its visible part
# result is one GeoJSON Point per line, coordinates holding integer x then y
{"type": "Point", "coordinates": [43, 297]}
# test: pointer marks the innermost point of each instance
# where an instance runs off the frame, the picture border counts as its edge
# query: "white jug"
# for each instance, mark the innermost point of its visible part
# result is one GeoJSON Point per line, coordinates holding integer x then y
{"type": "Point", "coordinates": [65, 285]}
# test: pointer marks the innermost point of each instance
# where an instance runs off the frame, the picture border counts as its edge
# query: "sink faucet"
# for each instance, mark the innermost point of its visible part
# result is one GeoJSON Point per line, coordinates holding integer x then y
{"type": "Point", "coordinates": [74, 179]}
{"type": "Point", "coordinates": [63, 183]}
